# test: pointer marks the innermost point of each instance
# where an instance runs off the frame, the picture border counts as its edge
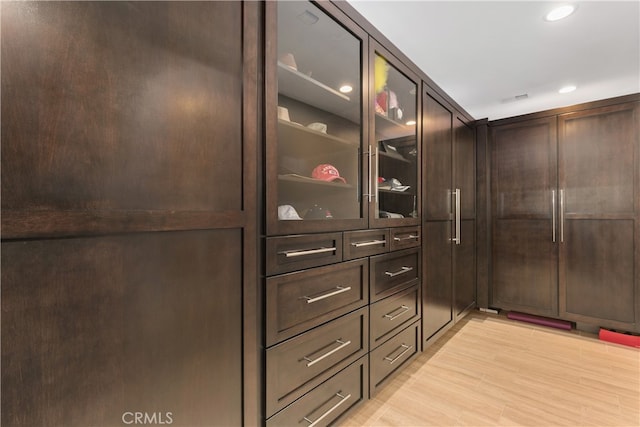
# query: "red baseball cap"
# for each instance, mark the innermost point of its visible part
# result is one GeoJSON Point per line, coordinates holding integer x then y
{"type": "Point", "coordinates": [327, 172]}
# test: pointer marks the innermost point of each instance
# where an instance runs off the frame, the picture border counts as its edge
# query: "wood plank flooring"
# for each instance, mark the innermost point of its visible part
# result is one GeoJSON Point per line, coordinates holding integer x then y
{"type": "Point", "coordinates": [492, 371]}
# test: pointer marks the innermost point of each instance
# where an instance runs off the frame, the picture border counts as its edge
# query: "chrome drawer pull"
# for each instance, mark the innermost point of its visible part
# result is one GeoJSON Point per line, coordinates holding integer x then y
{"type": "Point", "coordinates": [406, 348]}
{"type": "Point", "coordinates": [340, 289]}
{"type": "Point", "coordinates": [333, 408]}
{"type": "Point", "coordinates": [409, 237]}
{"type": "Point", "coordinates": [401, 271]}
{"type": "Point", "coordinates": [329, 353]}
{"type": "Point", "coordinates": [290, 254]}
{"type": "Point", "coordinates": [371, 243]}
{"type": "Point", "coordinates": [404, 309]}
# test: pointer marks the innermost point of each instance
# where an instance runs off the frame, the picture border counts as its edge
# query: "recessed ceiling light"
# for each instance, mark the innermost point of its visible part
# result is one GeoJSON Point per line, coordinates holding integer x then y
{"type": "Point", "coordinates": [560, 13]}
{"type": "Point", "coordinates": [567, 89]}
{"type": "Point", "coordinates": [345, 89]}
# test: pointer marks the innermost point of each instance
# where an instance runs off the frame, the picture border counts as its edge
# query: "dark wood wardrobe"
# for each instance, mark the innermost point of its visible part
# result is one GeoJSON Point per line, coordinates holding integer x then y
{"type": "Point", "coordinates": [129, 248]}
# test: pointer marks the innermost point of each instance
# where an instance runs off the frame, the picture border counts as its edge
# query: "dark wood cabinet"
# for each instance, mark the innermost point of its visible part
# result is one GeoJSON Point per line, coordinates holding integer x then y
{"type": "Point", "coordinates": [449, 284]}
{"type": "Point", "coordinates": [599, 180]}
{"type": "Point", "coordinates": [129, 240]}
{"type": "Point", "coordinates": [564, 202]}
{"type": "Point", "coordinates": [523, 205]}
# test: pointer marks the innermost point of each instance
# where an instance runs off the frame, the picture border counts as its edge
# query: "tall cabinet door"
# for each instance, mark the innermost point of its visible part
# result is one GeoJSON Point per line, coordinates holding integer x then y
{"type": "Point", "coordinates": [464, 187]}
{"type": "Point", "coordinates": [314, 115]}
{"type": "Point", "coordinates": [599, 188]}
{"type": "Point", "coordinates": [523, 205]}
{"type": "Point", "coordinates": [437, 291]}
{"type": "Point", "coordinates": [393, 147]}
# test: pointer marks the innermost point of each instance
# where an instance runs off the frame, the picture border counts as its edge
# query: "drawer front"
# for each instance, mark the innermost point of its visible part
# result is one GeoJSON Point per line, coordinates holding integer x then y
{"type": "Point", "coordinates": [296, 366]}
{"type": "Point", "coordinates": [405, 237]}
{"type": "Point", "coordinates": [391, 314]}
{"type": "Point", "coordinates": [291, 253]}
{"type": "Point", "coordinates": [329, 401]}
{"type": "Point", "coordinates": [358, 244]}
{"type": "Point", "coordinates": [299, 301]}
{"type": "Point", "coordinates": [387, 359]}
{"type": "Point", "coordinates": [393, 272]}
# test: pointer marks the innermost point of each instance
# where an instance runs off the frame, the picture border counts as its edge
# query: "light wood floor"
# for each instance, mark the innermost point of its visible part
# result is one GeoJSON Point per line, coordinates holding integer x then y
{"type": "Point", "coordinates": [492, 371]}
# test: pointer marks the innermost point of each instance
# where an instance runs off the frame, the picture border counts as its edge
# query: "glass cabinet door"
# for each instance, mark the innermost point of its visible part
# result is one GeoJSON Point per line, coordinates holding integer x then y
{"type": "Point", "coordinates": [314, 155]}
{"type": "Point", "coordinates": [395, 175]}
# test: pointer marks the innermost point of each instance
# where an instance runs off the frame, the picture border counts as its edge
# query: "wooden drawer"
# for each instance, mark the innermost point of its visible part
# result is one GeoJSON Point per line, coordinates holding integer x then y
{"type": "Point", "coordinates": [299, 301]}
{"type": "Point", "coordinates": [387, 359]}
{"type": "Point", "coordinates": [393, 313]}
{"type": "Point", "coordinates": [329, 401]}
{"type": "Point", "coordinates": [358, 244]}
{"type": "Point", "coordinates": [297, 365]}
{"type": "Point", "coordinates": [291, 253]}
{"type": "Point", "coordinates": [405, 237]}
{"type": "Point", "coordinates": [392, 272]}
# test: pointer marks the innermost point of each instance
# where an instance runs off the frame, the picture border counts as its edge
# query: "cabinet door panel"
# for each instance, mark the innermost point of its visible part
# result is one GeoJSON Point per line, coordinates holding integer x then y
{"type": "Point", "coordinates": [437, 292]}
{"type": "Point", "coordinates": [464, 267]}
{"type": "Point", "coordinates": [597, 269]}
{"type": "Point", "coordinates": [464, 169]}
{"type": "Point", "coordinates": [95, 327]}
{"type": "Point", "coordinates": [597, 153]}
{"type": "Point", "coordinates": [524, 267]}
{"type": "Point", "coordinates": [523, 169]}
{"type": "Point", "coordinates": [437, 139]}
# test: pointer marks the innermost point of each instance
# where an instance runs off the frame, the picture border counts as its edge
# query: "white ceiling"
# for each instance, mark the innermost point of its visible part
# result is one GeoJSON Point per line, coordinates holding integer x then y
{"type": "Point", "coordinates": [485, 53]}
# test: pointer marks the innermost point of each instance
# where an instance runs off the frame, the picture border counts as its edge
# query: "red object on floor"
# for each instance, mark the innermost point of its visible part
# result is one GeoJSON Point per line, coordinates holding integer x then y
{"type": "Point", "coordinates": [539, 320]}
{"type": "Point", "coordinates": [619, 338]}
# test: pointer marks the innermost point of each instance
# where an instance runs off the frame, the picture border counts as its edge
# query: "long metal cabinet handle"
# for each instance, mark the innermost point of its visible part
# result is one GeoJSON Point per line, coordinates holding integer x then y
{"type": "Point", "coordinates": [457, 239]}
{"type": "Point", "coordinates": [375, 194]}
{"type": "Point", "coordinates": [342, 345]}
{"type": "Point", "coordinates": [333, 408]}
{"type": "Point", "coordinates": [392, 360]}
{"type": "Point", "coordinates": [371, 243]}
{"type": "Point", "coordinates": [290, 254]}
{"type": "Point", "coordinates": [370, 173]}
{"type": "Point", "coordinates": [561, 216]}
{"type": "Point", "coordinates": [399, 272]}
{"type": "Point", "coordinates": [339, 290]}
{"type": "Point", "coordinates": [409, 237]}
{"type": "Point", "coordinates": [553, 216]}
{"type": "Point", "coordinates": [403, 309]}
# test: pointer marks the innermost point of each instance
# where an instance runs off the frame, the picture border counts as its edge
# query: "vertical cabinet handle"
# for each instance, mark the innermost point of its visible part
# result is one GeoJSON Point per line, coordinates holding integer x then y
{"type": "Point", "coordinates": [562, 216]}
{"type": "Point", "coordinates": [375, 178]}
{"type": "Point", "coordinates": [456, 219]}
{"type": "Point", "coordinates": [553, 216]}
{"type": "Point", "coordinates": [333, 408]}
{"type": "Point", "coordinates": [370, 173]}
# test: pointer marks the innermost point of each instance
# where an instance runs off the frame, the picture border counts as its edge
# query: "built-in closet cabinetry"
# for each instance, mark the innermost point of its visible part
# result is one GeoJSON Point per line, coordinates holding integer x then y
{"type": "Point", "coordinates": [449, 214]}
{"type": "Point", "coordinates": [565, 202]}
{"type": "Point", "coordinates": [129, 224]}
{"type": "Point", "coordinates": [343, 200]}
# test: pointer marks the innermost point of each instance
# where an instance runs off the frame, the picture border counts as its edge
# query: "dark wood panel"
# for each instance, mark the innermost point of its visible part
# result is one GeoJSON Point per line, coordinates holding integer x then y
{"type": "Point", "coordinates": [597, 159]}
{"type": "Point", "coordinates": [523, 170]}
{"type": "Point", "coordinates": [483, 214]}
{"type": "Point", "coordinates": [390, 314]}
{"type": "Point", "coordinates": [464, 167]}
{"type": "Point", "coordinates": [393, 272]}
{"type": "Point", "coordinates": [464, 268]}
{"type": "Point", "coordinates": [301, 300]}
{"type": "Point", "coordinates": [437, 138]}
{"type": "Point", "coordinates": [123, 106]}
{"type": "Point", "coordinates": [597, 271]}
{"type": "Point", "coordinates": [524, 267]}
{"type": "Point", "coordinates": [363, 243]}
{"type": "Point", "coordinates": [437, 284]}
{"type": "Point", "coordinates": [405, 237]}
{"type": "Point", "coordinates": [95, 327]}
